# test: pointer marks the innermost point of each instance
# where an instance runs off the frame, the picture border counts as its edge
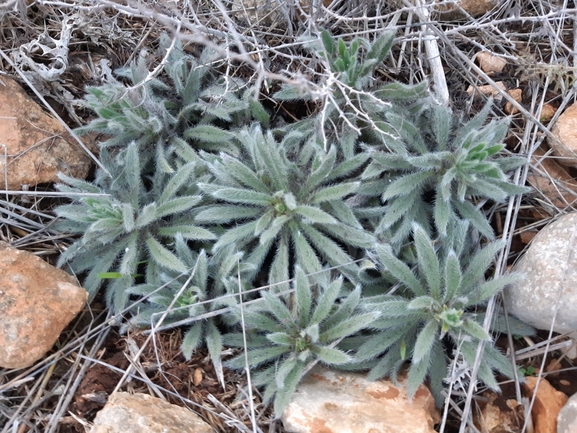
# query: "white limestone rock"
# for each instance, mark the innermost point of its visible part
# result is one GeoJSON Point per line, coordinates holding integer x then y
{"type": "Point", "coordinates": [336, 402]}
{"type": "Point", "coordinates": [547, 290]}
{"type": "Point", "coordinates": [567, 418]}
{"type": "Point", "coordinates": [142, 413]}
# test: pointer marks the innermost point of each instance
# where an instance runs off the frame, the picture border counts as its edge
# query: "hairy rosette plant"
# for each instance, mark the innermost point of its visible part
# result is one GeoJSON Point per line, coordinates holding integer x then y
{"type": "Point", "coordinates": [435, 305]}
{"type": "Point", "coordinates": [285, 334]}
{"type": "Point", "coordinates": [190, 106]}
{"type": "Point", "coordinates": [292, 206]}
{"type": "Point", "coordinates": [127, 227]}
{"type": "Point", "coordinates": [189, 298]}
{"type": "Point", "coordinates": [352, 102]}
{"type": "Point", "coordinates": [439, 168]}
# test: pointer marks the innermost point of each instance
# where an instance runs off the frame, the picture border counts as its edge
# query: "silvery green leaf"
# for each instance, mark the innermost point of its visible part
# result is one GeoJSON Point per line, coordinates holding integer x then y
{"type": "Point", "coordinates": [398, 91]}
{"type": "Point", "coordinates": [325, 301]}
{"type": "Point", "coordinates": [284, 395]}
{"type": "Point", "coordinates": [322, 168]}
{"type": "Point", "coordinates": [405, 185]}
{"type": "Point", "coordinates": [285, 367]}
{"type": "Point", "coordinates": [163, 256]}
{"type": "Point", "coordinates": [176, 205]}
{"type": "Point", "coordinates": [442, 214]}
{"type": "Point", "coordinates": [330, 250]}
{"type": "Point", "coordinates": [418, 373]}
{"type": "Point", "coordinates": [276, 307]}
{"type": "Point", "coordinates": [475, 330]}
{"type": "Point", "coordinates": [257, 356]}
{"type": "Point", "coordinates": [490, 288]}
{"type": "Point", "coordinates": [208, 133]}
{"type": "Point", "coordinates": [305, 255]}
{"type": "Point", "coordinates": [243, 174]}
{"type": "Point", "coordinates": [176, 182]}
{"type": "Point", "coordinates": [478, 265]}
{"type": "Point", "coordinates": [397, 209]}
{"type": "Point", "coordinates": [331, 356]}
{"type": "Point", "coordinates": [425, 341]}
{"type": "Point", "coordinates": [344, 311]}
{"type": "Point", "coordinates": [335, 192]}
{"type": "Point", "coordinates": [146, 215]}
{"type": "Point", "coordinates": [303, 296]}
{"type": "Point", "coordinates": [347, 167]}
{"type": "Point", "coordinates": [452, 276]}
{"type": "Point", "coordinates": [127, 217]}
{"type": "Point", "coordinates": [220, 214]}
{"type": "Point", "coordinates": [315, 214]}
{"type": "Point", "coordinates": [351, 235]}
{"type": "Point", "coordinates": [263, 222]}
{"type": "Point", "coordinates": [274, 229]}
{"type": "Point", "coordinates": [399, 270]}
{"type": "Point", "coordinates": [279, 272]}
{"type": "Point", "coordinates": [423, 303]}
{"type": "Point", "coordinates": [281, 338]}
{"type": "Point", "coordinates": [427, 261]}
{"type": "Point", "coordinates": [191, 340]}
{"type": "Point", "coordinates": [244, 196]}
{"type": "Point", "coordinates": [469, 212]}
{"type": "Point", "coordinates": [129, 258]}
{"type": "Point", "coordinates": [349, 326]}
{"type": "Point", "coordinates": [187, 232]}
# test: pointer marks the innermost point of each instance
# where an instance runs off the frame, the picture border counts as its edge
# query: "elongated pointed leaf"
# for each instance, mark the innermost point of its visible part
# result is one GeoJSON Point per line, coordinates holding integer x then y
{"type": "Point", "coordinates": [276, 307]}
{"type": "Point", "coordinates": [282, 398]}
{"type": "Point", "coordinates": [187, 232]}
{"type": "Point", "coordinates": [245, 196]}
{"type": "Point", "coordinates": [475, 330]}
{"type": "Point", "coordinates": [127, 217]}
{"type": "Point", "coordinates": [208, 133]}
{"type": "Point", "coordinates": [331, 356]}
{"type": "Point", "coordinates": [221, 214]}
{"type": "Point", "coordinates": [243, 174]}
{"type": "Point", "coordinates": [349, 326]}
{"type": "Point", "coordinates": [417, 374]}
{"type": "Point", "coordinates": [425, 340]}
{"type": "Point", "coordinates": [427, 261]}
{"type": "Point", "coordinates": [336, 192]}
{"type": "Point", "coordinates": [176, 205]}
{"type": "Point", "coordinates": [325, 302]}
{"type": "Point", "coordinates": [281, 338]}
{"type": "Point", "coordinates": [191, 340]}
{"type": "Point", "coordinates": [407, 184]}
{"type": "Point", "coordinates": [163, 256]}
{"type": "Point", "coordinates": [176, 182]}
{"type": "Point", "coordinates": [146, 216]}
{"type": "Point", "coordinates": [257, 357]}
{"type": "Point", "coordinates": [491, 288]}
{"type": "Point", "coordinates": [474, 274]}
{"type": "Point", "coordinates": [469, 212]}
{"type": "Point", "coordinates": [452, 276]}
{"type": "Point", "coordinates": [306, 257]}
{"type": "Point", "coordinates": [303, 297]}
{"type": "Point", "coordinates": [400, 270]}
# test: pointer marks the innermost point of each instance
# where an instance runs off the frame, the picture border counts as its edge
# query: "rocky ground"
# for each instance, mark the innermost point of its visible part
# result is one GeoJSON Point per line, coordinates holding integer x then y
{"type": "Point", "coordinates": [59, 372]}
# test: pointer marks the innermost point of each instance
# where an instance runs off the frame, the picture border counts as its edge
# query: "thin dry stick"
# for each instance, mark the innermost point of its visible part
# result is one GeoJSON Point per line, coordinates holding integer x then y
{"type": "Point", "coordinates": [246, 363]}
{"type": "Point", "coordinates": [432, 50]}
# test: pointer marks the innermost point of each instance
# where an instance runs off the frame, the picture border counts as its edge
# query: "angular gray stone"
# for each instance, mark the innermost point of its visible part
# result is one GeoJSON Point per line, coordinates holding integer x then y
{"type": "Point", "coordinates": [329, 401]}
{"type": "Point", "coordinates": [549, 278]}
{"type": "Point", "coordinates": [142, 413]}
{"type": "Point", "coordinates": [567, 418]}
